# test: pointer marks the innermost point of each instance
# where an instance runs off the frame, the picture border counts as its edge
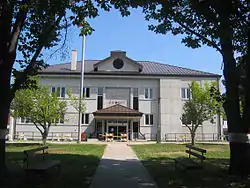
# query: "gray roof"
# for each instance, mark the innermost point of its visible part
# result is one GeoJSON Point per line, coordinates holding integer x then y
{"type": "Point", "coordinates": [149, 68]}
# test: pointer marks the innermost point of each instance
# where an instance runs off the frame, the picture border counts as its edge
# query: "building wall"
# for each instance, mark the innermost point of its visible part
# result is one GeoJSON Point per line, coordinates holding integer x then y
{"type": "Point", "coordinates": [166, 104]}
{"type": "Point", "coordinates": [146, 106]}
{"type": "Point", "coordinates": [171, 105]}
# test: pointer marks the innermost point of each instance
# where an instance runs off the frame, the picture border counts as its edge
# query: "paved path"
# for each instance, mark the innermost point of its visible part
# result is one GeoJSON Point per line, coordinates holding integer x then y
{"type": "Point", "coordinates": [120, 168]}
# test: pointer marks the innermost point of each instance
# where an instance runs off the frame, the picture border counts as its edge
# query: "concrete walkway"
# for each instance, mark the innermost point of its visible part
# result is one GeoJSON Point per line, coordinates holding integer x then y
{"type": "Point", "coordinates": [120, 168]}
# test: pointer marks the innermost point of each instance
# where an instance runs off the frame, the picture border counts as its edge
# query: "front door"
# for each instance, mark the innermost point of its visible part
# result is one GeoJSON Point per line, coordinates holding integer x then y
{"type": "Point", "coordinates": [113, 130]}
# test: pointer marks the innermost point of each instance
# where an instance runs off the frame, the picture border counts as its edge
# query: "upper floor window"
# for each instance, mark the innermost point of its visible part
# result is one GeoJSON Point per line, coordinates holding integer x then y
{"type": "Point", "coordinates": [85, 119]}
{"type": "Point", "coordinates": [149, 119]}
{"type": "Point", "coordinates": [148, 93]}
{"type": "Point", "coordinates": [59, 90]}
{"type": "Point", "coordinates": [100, 98]}
{"type": "Point", "coordinates": [135, 92]}
{"type": "Point", "coordinates": [86, 92]}
{"type": "Point", "coordinates": [185, 93]}
{"type": "Point", "coordinates": [135, 99]}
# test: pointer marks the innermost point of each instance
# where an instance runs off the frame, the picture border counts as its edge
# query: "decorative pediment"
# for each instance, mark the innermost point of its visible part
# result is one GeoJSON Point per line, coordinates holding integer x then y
{"type": "Point", "coordinates": [117, 62]}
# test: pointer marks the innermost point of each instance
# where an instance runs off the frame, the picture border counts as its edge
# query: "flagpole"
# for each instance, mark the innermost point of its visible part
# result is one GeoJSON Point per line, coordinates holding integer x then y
{"type": "Point", "coordinates": [81, 88]}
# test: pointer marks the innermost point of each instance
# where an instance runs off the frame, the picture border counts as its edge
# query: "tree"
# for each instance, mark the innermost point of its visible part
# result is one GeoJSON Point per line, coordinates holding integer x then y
{"type": "Point", "coordinates": [224, 26]}
{"type": "Point", "coordinates": [39, 106]}
{"type": "Point", "coordinates": [28, 27]}
{"type": "Point", "coordinates": [200, 107]}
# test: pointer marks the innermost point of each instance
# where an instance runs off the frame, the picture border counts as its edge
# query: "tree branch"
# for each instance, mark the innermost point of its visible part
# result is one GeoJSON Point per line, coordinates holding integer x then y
{"type": "Point", "coordinates": [200, 36]}
{"type": "Point", "coordinates": [22, 78]}
{"type": "Point", "coordinates": [18, 25]}
{"type": "Point", "coordinates": [190, 129]}
{"type": "Point", "coordinates": [64, 40]}
{"type": "Point", "coordinates": [38, 128]}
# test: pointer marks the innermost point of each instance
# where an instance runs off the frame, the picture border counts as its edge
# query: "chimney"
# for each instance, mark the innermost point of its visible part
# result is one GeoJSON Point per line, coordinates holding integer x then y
{"type": "Point", "coordinates": [118, 53]}
{"type": "Point", "coordinates": [74, 60]}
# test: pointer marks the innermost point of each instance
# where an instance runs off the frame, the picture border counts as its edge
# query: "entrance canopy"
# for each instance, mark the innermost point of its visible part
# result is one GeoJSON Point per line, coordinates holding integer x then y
{"type": "Point", "coordinates": [117, 111]}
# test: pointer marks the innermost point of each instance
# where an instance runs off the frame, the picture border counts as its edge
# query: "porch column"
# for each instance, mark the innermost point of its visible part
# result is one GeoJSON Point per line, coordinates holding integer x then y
{"type": "Point", "coordinates": [127, 128]}
{"type": "Point", "coordinates": [103, 127]}
{"type": "Point", "coordinates": [106, 126]}
{"type": "Point", "coordinates": [131, 125]}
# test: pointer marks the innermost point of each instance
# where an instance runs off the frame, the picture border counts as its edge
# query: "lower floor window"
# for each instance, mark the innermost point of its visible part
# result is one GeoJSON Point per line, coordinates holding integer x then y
{"type": "Point", "coordinates": [60, 120]}
{"type": "Point", "coordinates": [25, 120]}
{"type": "Point", "coordinates": [149, 119]}
{"type": "Point", "coordinates": [85, 119]}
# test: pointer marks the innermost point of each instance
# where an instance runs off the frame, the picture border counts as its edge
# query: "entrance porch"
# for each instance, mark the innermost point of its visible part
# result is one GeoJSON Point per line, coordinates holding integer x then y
{"type": "Point", "coordinates": [118, 123]}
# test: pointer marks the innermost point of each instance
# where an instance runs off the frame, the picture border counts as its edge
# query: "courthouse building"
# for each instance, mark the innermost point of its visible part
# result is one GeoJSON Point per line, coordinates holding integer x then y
{"type": "Point", "coordinates": [143, 99]}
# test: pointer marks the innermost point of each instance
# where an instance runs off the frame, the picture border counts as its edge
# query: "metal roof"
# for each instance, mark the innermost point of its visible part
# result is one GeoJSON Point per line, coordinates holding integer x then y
{"type": "Point", "coordinates": [148, 68]}
{"type": "Point", "coordinates": [117, 110]}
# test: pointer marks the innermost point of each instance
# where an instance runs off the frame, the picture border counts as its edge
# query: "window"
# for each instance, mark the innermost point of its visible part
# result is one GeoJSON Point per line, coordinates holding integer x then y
{"type": "Point", "coordinates": [85, 119]}
{"type": "Point", "coordinates": [149, 119]}
{"type": "Point", "coordinates": [148, 93]}
{"type": "Point", "coordinates": [86, 92]}
{"type": "Point", "coordinates": [25, 120]}
{"type": "Point", "coordinates": [185, 93]}
{"type": "Point", "coordinates": [60, 120]}
{"type": "Point", "coordinates": [135, 99]}
{"type": "Point", "coordinates": [59, 90]}
{"type": "Point", "coordinates": [100, 98]}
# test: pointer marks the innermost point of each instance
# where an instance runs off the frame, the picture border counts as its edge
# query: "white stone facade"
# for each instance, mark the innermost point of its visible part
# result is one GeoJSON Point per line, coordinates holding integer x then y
{"type": "Point", "coordinates": [165, 104]}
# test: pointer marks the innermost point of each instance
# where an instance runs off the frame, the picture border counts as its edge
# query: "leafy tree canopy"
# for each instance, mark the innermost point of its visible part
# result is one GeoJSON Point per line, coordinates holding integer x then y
{"type": "Point", "coordinates": [200, 107]}
{"type": "Point", "coordinates": [40, 107]}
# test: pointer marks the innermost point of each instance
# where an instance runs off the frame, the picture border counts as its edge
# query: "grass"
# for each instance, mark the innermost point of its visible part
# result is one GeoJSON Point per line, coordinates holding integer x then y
{"type": "Point", "coordinates": [158, 160]}
{"type": "Point", "coordinates": [78, 165]}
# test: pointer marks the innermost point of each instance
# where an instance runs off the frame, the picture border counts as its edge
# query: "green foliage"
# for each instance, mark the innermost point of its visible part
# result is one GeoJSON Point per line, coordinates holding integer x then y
{"type": "Point", "coordinates": [199, 21]}
{"type": "Point", "coordinates": [78, 104]}
{"type": "Point", "coordinates": [200, 107]}
{"type": "Point", "coordinates": [40, 106]}
{"type": "Point", "coordinates": [30, 27]}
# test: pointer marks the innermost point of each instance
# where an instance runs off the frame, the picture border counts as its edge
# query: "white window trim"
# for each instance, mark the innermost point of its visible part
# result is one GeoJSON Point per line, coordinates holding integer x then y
{"type": "Point", "coordinates": [25, 121]}
{"type": "Point", "coordinates": [83, 123]}
{"type": "Point", "coordinates": [183, 125]}
{"type": "Point", "coordinates": [85, 88]}
{"type": "Point", "coordinates": [60, 93]}
{"type": "Point", "coordinates": [150, 94]}
{"type": "Point", "coordinates": [149, 120]}
{"type": "Point", "coordinates": [186, 93]}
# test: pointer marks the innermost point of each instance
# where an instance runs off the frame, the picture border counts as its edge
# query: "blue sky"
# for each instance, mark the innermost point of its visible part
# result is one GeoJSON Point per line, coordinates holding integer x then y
{"type": "Point", "coordinates": [131, 34]}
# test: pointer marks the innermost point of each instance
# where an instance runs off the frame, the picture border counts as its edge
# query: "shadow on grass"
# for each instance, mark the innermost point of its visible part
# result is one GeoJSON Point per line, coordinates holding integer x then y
{"type": "Point", "coordinates": [76, 170]}
{"type": "Point", "coordinates": [213, 175]}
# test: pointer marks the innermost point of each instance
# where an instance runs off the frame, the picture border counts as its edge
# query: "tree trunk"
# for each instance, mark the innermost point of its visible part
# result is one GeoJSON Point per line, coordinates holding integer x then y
{"type": "Point", "coordinates": [238, 149]}
{"type": "Point", "coordinates": [45, 135]}
{"type": "Point", "coordinates": [4, 113]}
{"type": "Point", "coordinates": [192, 137]}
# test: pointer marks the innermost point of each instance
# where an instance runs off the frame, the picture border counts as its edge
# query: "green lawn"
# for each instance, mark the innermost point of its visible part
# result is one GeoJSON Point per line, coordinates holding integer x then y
{"type": "Point", "coordinates": [78, 165]}
{"type": "Point", "coordinates": [158, 159]}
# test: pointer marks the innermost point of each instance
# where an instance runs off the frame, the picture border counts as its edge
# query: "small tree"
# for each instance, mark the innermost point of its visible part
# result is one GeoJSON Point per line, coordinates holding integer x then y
{"type": "Point", "coordinates": [199, 108]}
{"type": "Point", "coordinates": [79, 105]}
{"type": "Point", "coordinates": [40, 107]}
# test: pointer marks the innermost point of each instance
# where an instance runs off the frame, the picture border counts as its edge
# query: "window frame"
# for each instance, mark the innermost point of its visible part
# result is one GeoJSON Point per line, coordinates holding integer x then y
{"type": "Point", "coordinates": [149, 92]}
{"type": "Point", "coordinates": [60, 89]}
{"type": "Point", "coordinates": [26, 120]}
{"type": "Point", "coordinates": [83, 120]}
{"type": "Point", "coordinates": [100, 91]}
{"type": "Point", "coordinates": [187, 93]}
{"type": "Point", "coordinates": [150, 120]}
{"type": "Point", "coordinates": [85, 89]}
